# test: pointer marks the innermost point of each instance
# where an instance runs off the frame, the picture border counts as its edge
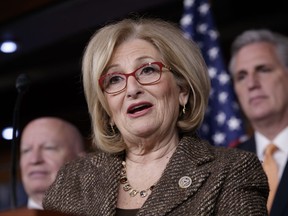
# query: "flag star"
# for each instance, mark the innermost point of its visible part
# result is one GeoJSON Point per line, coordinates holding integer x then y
{"type": "Point", "coordinates": [220, 118]}
{"type": "Point", "coordinates": [186, 20]}
{"type": "Point", "coordinates": [223, 78]}
{"type": "Point", "coordinates": [213, 53]}
{"type": "Point", "coordinates": [188, 3]}
{"type": "Point", "coordinates": [212, 72]}
{"type": "Point", "coordinates": [202, 28]}
{"type": "Point", "coordinates": [213, 34]}
{"type": "Point", "coordinates": [233, 123]}
{"type": "Point", "coordinates": [219, 138]}
{"type": "Point", "coordinates": [222, 97]}
{"type": "Point", "coordinates": [204, 8]}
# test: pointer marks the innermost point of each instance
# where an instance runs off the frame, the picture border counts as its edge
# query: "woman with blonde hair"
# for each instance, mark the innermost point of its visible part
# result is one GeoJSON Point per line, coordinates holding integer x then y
{"type": "Point", "coordinates": [147, 90]}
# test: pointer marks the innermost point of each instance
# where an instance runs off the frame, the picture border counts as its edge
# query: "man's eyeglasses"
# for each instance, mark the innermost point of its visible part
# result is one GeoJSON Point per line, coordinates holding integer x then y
{"type": "Point", "coordinates": [147, 74]}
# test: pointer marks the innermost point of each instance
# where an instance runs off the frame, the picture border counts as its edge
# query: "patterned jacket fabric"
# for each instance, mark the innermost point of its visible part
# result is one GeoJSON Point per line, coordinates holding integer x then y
{"type": "Point", "coordinates": [224, 182]}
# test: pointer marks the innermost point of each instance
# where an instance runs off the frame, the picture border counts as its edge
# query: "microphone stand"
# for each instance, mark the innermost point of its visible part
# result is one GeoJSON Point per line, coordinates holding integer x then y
{"type": "Point", "coordinates": [22, 84]}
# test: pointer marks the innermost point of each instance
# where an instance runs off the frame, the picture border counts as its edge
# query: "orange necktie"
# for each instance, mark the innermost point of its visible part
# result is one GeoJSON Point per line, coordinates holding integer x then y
{"type": "Point", "coordinates": [271, 170]}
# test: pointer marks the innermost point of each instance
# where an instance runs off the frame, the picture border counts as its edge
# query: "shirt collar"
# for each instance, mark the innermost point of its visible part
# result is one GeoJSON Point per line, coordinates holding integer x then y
{"type": "Point", "coordinates": [33, 205]}
{"type": "Point", "coordinates": [281, 141]}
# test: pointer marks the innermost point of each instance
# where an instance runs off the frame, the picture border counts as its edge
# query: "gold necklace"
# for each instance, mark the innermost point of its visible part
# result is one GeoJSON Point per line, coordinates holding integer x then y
{"type": "Point", "coordinates": [128, 188]}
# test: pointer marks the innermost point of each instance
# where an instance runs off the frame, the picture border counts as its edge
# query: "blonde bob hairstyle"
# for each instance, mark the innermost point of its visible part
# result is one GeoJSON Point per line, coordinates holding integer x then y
{"type": "Point", "coordinates": [180, 54]}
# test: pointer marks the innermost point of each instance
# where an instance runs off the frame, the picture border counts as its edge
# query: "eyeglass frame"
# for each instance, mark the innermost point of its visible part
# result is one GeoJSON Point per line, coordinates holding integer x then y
{"type": "Point", "coordinates": [127, 75]}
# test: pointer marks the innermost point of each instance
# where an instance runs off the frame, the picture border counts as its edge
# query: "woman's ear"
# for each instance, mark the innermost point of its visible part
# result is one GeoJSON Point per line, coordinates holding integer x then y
{"type": "Point", "coordinates": [183, 97]}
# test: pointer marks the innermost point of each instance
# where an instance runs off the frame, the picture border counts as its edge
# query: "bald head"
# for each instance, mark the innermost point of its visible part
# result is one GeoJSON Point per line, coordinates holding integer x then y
{"type": "Point", "coordinates": [46, 128]}
{"type": "Point", "coordinates": [46, 144]}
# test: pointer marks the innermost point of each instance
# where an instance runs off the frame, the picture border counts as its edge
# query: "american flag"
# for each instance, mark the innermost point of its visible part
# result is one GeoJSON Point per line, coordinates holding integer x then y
{"type": "Point", "coordinates": [223, 125]}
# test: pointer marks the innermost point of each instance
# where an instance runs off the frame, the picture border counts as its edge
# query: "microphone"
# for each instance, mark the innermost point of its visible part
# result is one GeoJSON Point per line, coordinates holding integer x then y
{"type": "Point", "coordinates": [22, 83]}
{"type": "Point", "coordinates": [22, 86]}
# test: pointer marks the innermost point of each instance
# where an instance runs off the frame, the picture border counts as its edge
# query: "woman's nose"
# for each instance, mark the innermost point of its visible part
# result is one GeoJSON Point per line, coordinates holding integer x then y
{"type": "Point", "coordinates": [133, 87]}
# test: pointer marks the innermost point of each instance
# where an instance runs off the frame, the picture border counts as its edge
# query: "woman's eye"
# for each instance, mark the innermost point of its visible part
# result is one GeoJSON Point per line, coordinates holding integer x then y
{"type": "Point", "coordinates": [115, 79]}
{"type": "Point", "coordinates": [147, 70]}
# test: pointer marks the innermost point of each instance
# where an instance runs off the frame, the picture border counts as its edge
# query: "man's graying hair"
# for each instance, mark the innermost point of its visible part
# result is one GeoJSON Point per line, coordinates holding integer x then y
{"type": "Point", "coordinates": [261, 35]}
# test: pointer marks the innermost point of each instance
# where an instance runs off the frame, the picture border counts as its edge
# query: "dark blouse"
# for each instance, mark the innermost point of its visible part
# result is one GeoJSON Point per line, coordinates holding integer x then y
{"type": "Point", "coordinates": [126, 212]}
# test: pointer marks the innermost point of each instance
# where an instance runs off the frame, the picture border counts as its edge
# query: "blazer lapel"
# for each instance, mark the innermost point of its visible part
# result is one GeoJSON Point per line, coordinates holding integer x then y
{"type": "Point", "coordinates": [186, 161]}
{"type": "Point", "coordinates": [106, 183]}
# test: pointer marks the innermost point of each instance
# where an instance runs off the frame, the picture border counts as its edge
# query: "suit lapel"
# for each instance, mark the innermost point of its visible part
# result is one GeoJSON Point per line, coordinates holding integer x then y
{"type": "Point", "coordinates": [186, 161]}
{"type": "Point", "coordinates": [281, 201]}
{"type": "Point", "coordinates": [249, 145]}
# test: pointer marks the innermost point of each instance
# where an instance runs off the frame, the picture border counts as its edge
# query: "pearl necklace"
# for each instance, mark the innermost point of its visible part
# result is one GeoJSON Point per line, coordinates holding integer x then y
{"type": "Point", "coordinates": [128, 188]}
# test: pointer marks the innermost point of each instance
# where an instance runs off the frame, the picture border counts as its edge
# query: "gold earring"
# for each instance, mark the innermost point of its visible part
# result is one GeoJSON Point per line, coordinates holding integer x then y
{"type": "Point", "coordinates": [184, 109]}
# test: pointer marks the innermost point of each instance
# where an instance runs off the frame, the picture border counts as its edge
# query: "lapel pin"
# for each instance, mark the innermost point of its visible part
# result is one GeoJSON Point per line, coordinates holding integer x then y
{"type": "Point", "coordinates": [185, 182]}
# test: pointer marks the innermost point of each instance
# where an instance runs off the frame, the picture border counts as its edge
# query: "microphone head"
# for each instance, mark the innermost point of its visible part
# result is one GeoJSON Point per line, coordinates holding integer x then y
{"type": "Point", "coordinates": [22, 83]}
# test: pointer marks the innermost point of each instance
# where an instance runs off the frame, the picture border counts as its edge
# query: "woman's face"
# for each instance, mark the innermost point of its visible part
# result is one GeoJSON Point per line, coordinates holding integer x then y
{"type": "Point", "coordinates": [143, 111]}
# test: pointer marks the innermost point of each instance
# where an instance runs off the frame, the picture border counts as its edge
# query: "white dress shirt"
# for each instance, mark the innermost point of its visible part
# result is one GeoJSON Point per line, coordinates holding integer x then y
{"type": "Point", "coordinates": [281, 141]}
{"type": "Point", "coordinates": [33, 205]}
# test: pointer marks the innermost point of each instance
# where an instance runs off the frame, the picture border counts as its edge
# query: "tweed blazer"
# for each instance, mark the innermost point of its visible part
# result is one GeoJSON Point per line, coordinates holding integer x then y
{"type": "Point", "coordinates": [225, 181]}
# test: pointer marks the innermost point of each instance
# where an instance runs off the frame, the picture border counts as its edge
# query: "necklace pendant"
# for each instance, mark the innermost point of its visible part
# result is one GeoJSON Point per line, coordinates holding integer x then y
{"type": "Point", "coordinates": [127, 187]}
{"type": "Point", "coordinates": [123, 180]}
{"type": "Point", "coordinates": [143, 193]}
{"type": "Point", "coordinates": [133, 193]}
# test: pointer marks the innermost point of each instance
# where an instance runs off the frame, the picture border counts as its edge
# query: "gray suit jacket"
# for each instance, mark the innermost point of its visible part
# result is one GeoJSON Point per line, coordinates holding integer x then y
{"type": "Point", "coordinates": [224, 182]}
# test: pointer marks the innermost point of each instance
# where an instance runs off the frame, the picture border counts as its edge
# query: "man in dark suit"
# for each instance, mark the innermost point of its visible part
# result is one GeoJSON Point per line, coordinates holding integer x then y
{"type": "Point", "coordinates": [259, 66]}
